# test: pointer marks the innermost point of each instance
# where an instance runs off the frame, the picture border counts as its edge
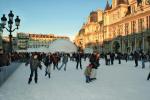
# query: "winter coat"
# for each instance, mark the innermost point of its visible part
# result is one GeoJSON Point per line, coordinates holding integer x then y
{"type": "Point", "coordinates": [34, 64]}
{"type": "Point", "coordinates": [95, 61]}
{"type": "Point", "coordinates": [88, 70]}
{"type": "Point", "coordinates": [48, 61]}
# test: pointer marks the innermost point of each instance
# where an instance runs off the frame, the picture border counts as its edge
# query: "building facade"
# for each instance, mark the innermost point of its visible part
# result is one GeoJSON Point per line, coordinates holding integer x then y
{"type": "Point", "coordinates": [30, 40]}
{"type": "Point", "coordinates": [22, 41]}
{"type": "Point", "coordinates": [91, 33]}
{"type": "Point", "coordinates": [125, 26]}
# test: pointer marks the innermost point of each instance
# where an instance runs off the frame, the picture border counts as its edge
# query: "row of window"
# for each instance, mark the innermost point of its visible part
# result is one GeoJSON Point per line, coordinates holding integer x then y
{"type": "Point", "coordinates": [142, 25]}
{"type": "Point", "coordinates": [37, 46]}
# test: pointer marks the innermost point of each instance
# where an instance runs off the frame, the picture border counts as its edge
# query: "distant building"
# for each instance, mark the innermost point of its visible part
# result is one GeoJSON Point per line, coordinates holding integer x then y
{"type": "Point", "coordinates": [6, 44]}
{"type": "Point", "coordinates": [30, 40]}
{"type": "Point", "coordinates": [22, 41]}
{"type": "Point", "coordinates": [91, 33]}
{"type": "Point", "coordinates": [123, 26]}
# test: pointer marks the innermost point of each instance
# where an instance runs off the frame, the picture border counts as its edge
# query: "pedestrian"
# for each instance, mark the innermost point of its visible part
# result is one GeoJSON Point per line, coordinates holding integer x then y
{"type": "Point", "coordinates": [55, 60]}
{"type": "Point", "coordinates": [148, 77]}
{"type": "Point", "coordinates": [143, 60]}
{"type": "Point", "coordinates": [108, 58]}
{"type": "Point", "coordinates": [136, 58]}
{"type": "Point", "coordinates": [112, 57]}
{"type": "Point", "coordinates": [119, 56]}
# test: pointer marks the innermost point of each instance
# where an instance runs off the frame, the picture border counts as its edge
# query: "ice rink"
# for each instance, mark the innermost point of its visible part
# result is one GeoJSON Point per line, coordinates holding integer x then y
{"type": "Point", "coordinates": [117, 82]}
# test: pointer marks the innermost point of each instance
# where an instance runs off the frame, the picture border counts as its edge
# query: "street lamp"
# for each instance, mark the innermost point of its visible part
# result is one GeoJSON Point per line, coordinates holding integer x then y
{"type": "Point", "coordinates": [9, 29]}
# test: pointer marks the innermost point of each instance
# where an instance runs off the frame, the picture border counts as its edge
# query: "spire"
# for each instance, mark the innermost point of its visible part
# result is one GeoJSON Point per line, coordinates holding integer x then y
{"type": "Point", "coordinates": [108, 7]}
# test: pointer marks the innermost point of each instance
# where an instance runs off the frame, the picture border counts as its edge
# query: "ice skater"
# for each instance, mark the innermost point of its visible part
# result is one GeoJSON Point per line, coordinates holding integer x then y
{"type": "Point", "coordinates": [34, 64]}
{"type": "Point", "coordinates": [48, 63]}
{"type": "Point", "coordinates": [64, 62]}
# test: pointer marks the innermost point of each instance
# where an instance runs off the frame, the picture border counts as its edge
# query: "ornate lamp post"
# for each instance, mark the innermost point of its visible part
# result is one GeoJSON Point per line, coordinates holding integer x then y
{"type": "Point", "coordinates": [10, 29]}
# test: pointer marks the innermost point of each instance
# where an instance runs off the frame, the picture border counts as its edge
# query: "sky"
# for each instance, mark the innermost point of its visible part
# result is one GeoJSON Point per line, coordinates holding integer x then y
{"type": "Point", "coordinates": [59, 17]}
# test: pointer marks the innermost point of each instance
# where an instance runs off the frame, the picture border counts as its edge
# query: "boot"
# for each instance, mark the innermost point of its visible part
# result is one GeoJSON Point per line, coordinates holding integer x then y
{"type": "Point", "coordinates": [49, 75]}
{"type": "Point", "coordinates": [45, 73]}
{"type": "Point", "coordinates": [29, 81]}
{"type": "Point", "coordinates": [35, 80]}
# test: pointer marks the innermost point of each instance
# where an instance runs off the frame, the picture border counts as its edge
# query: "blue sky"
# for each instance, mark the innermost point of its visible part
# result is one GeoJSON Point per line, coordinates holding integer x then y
{"type": "Point", "coordinates": [60, 17]}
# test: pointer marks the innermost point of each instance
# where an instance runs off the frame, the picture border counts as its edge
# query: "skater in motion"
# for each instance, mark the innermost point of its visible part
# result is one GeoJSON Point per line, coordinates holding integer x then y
{"type": "Point", "coordinates": [34, 64]}
{"type": "Point", "coordinates": [64, 62]}
{"type": "Point", "coordinates": [48, 63]}
{"type": "Point", "coordinates": [78, 60]}
{"type": "Point", "coordinates": [94, 60]}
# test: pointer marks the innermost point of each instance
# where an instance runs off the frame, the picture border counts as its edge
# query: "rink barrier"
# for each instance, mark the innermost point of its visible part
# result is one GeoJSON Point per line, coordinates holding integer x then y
{"type": "Point", "coordinates": [7, 71]}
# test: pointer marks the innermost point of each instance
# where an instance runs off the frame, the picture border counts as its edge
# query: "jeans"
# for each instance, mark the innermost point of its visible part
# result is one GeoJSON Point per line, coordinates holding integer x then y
{"type": "Point", "coordinates": [63, 65]}
{"type": "Point", "coordinates": [143, 63]}
{"type": "Point", "coordinates": [31, 75]}
{"type": "Point", "coordinates": [87, 79]}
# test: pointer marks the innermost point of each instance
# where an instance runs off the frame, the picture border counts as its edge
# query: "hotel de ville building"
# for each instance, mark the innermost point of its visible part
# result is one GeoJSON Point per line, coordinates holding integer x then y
{"type": "Point", "coordinates": [123, 26]}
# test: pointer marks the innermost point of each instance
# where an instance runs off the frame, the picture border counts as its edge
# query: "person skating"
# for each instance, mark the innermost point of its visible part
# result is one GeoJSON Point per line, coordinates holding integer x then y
{"type": "Point", "coordinates": [64, 62]}
{"type": "Point", "coordinates": [48, 63]}
{"type": "Point", "coordinates": [79, 60]}
{"type": "Point", "coordinates": [34, 64]}
{"type": "Point", "coordinates": [148, 77]}
{"type": "Point", "coordinates": [94, 60]}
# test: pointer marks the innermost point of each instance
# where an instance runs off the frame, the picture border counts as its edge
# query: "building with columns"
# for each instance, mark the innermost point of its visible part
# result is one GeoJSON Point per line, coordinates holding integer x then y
{"type": "Point", "coordinates": [125, 26]}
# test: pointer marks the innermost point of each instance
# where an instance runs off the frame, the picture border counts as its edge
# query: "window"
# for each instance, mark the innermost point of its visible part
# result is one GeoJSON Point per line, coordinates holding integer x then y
{"type": "Point", "coordinates": [126, 28]}
{"type": "Point", "coordinates": [141, 24]}
{"type": "Point", "coordinates": [133, 26]}
{"type": "Point", "coordinates": [147, 22]}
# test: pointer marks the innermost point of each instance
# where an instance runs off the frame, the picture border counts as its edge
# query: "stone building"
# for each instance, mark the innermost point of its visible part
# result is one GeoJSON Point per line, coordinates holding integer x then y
{"type": "Point", "coordinates": [125, 26]}
{"type": "Point", "coordinates": [91, 33]}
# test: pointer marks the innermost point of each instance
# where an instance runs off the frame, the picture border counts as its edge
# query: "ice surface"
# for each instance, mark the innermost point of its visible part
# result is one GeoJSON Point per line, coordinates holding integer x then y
{"type": "Point", "coordinates": [117, 82]}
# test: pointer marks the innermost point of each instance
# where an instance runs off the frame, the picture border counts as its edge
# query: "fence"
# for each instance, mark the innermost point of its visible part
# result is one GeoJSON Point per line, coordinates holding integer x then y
{"type": "Point", "coordinates": [6, 71]}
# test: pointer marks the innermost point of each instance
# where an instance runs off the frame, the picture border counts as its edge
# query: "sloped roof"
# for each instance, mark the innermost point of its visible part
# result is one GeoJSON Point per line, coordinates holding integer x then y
{"type": "Point", "coordinates": [62, 45]}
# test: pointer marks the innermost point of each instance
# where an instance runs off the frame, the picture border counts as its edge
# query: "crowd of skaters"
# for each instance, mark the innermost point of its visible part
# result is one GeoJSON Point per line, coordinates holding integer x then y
{"type": "Point", "coordinates": [7, 58]}
{"type": "Point", "coordinates": [52, 60]}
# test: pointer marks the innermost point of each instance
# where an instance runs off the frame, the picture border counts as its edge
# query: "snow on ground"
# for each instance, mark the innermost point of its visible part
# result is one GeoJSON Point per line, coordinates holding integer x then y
{"type": "Point", "coordinates": [118, 82]}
